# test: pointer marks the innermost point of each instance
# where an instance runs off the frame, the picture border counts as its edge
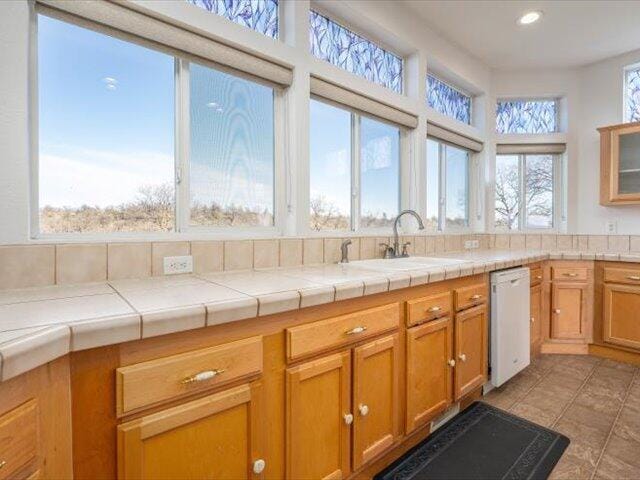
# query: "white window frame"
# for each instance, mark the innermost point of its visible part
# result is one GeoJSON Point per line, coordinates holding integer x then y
{"type": "Point", "coordinates": [356, 177]}
{"type": "Point", "coordinates": [625, 97]}
{"type": "Point", "coordinates": [442, 190]}
{"type": "Point", "coordinates": [182, 229]}
{"type": "Point", "coordinates": [558, 197]}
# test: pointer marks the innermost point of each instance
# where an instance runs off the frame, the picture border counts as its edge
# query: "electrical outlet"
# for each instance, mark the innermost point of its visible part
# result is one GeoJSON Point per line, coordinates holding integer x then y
{"type": "Point", "coordinates": [469, 244]}
{"type": "Point", "coordinates": [612, 227]}
{"type": "Point", "coordinates": [176, 265]}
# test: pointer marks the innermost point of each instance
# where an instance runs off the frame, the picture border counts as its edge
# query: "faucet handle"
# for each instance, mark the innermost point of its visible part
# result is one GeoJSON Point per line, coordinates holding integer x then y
{"type": "Point", "coordinates": [387, 249]}
{"type": "Point", "coordinates": [404, 249]}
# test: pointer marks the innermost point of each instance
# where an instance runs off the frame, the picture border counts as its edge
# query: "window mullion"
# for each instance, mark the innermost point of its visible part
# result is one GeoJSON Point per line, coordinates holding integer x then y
{"type": "Point", "coordinates": [182, 150]}
{"type": "Point", "coordinates": [522, 221]}
{"type": "Point", "coordinates": [442, 193]}
{"type": "Point", "coordinates": [355, 172]}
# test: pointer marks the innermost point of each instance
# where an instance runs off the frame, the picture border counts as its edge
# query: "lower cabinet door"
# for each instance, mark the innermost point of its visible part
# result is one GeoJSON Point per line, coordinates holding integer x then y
{"type": "Point", "coordinates": [535, 312]}
{"type": "Point", "coordinates": [567, 310]}
{"type": "Point", "coordinates": [429, 366]}
{"type": "Point", "coordinates": [471, 350]}
{"type": "Point", "coordinates": [319, 418]}
{"type": "Point", "coordinates": [622, 315]}
{"type": "Point", "coordinates": [213, 437]}
{"type": "Point", "coordinates": [375, 398]}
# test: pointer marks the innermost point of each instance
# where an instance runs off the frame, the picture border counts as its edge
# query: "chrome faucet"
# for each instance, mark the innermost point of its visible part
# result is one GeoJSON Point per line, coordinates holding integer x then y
{"type": "Point", "coordinates": [394, 252]}
{"type": "Point", "coordinates": [344, 248]}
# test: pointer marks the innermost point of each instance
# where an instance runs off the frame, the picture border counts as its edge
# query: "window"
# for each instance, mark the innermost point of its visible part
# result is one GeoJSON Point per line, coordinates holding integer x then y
{"type": "Point", "coordinates": [448, 100]}
{"type": "Point", "coordinates": [525, 192]}
{"type": "Point", "coordinates": [632, 94]}
{"type": "Point", "coordinates": [106, 133]}
{"type": "Point", "coordinates": [527, 116]}
{"type": "Point", "coordinates": [448, 174]}
{"type": "Point", "coordinates": [258, 15]}
{"type": "Point", "coordinates": [107, 137]}
{"type": "Point", "coordinates": [343, 48]}
{"type": "Point", "coordinates": [345, 179]}
{"type": "Point", "coordinates": [232, 150]}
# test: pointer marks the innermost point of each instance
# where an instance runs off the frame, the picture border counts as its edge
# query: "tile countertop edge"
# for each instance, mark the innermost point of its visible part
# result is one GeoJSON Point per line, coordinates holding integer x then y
{"type": "Point", "coordinates": [49, 342]}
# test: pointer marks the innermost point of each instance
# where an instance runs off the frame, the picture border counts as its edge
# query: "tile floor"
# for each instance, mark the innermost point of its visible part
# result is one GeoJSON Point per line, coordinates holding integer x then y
{"type": "Point", "coordinates": [593, 401]}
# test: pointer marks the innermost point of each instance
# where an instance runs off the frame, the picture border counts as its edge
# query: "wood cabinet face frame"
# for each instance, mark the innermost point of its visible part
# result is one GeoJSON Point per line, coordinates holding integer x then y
{"type": "Point", "coordinates": [610, 165]}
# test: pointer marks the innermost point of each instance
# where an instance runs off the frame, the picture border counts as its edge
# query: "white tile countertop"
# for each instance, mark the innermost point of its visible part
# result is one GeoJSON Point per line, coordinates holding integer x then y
{"type": "Point", "coordinates": [40, 324]}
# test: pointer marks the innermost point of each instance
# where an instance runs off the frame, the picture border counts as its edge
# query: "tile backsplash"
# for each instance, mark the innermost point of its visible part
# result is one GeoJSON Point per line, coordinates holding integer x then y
{"type": "Point", "coordinates": [40, 265]}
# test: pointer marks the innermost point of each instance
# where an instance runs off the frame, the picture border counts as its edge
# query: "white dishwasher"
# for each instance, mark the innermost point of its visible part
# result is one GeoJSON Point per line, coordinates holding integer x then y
{"type": "Point", "coordinates": [510, 331]}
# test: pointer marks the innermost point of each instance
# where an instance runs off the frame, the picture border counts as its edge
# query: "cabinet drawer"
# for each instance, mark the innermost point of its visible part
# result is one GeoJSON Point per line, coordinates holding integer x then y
{"type": "Point", "coordinates": [424, 309]}
{"type": "Point", "coordinates": [162, 379]}
{"type": "Point", "coordinates": [18, 439]}
{"type": "Point", "coordinates": [622, 275]}
{"type": "Point", "coordinates": [569, 274]}
{"type": "Point", "coordinates": [343, 330]}
{"type": "Point", "coordinates": [536, 276]}
{"type": "Point", "coordinates": [469, 296]}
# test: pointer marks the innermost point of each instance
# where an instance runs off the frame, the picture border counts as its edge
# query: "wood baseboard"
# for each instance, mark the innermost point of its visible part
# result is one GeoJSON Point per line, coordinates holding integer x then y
{"type": "Point", "coordinates": [614, 354]}
{"type": "Point", "coordinates": [565, 348]}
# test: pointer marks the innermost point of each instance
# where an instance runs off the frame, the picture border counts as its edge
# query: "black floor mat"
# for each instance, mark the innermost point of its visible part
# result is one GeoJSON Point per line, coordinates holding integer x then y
{"type": "Point", "coordinates": [482, 442]}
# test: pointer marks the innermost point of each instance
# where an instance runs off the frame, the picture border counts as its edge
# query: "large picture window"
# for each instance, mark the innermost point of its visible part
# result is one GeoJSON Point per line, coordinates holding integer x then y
{"type": "Point", "coordinates": [448, 174]}
{"type": "Point", "coordinates": [350, 187]}
{"type": "Point", "coordinates": [108, 118]}
{"type": "Point", "coordinates": [525, 187]}
{"type": "Point", "coordinates": [345, 49]}
{"type": "Point", "coordinates": [527, 116]}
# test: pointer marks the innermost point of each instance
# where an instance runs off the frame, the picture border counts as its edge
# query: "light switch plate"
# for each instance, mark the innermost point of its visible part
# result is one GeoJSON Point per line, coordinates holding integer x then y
{"type": "Point", "coordinates": [176, 265]}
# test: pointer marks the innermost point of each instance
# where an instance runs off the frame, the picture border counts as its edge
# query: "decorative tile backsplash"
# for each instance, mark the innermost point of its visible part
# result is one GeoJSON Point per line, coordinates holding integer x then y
{"type": "Point", "coordinates": [38, 265]}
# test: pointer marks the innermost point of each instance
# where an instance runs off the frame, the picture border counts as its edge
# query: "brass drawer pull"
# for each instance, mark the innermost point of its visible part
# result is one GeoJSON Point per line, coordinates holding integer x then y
{"type": "Point", "coordinates": [633, 277]}
{"type": "Point", "coordinates": [462, 357]}
{"type": "Point", "coordinates": [203, 376]}
{"type": "Point", "coordinates": [556, 311]}
{"type": "Point", "coordinates": [452, 362]}
{"type": "Point", "coordinates": [538, 277]}
{"type": "Point", "coordinates": [437, 308]}
{"type": "Point", "coordinates": [475, 297]}
{"type": "Point", "coordinates": [348, 418]}
{"type": "Point", "coordinates": [356, 330]}
{"type": "Point", "coordinates": [567, 274]}
{"type": "Point", "coordinates": [3, 463]}
{"type": "Point", "coordinates": [533, 320]}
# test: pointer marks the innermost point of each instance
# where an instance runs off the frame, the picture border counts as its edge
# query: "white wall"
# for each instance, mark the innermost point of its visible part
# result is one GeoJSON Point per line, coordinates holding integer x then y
{"type": "Point", "coordinates": [382, 21]}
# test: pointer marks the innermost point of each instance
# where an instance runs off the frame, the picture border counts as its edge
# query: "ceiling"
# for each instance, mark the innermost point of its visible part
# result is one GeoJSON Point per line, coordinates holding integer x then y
{"type": "Point", "coordinates": [570, 33]}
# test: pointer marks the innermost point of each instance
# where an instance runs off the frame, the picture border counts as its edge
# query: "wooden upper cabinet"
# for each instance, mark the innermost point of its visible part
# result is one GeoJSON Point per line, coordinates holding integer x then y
{"type": "Point", "coordinates": [568, 309]}
{"type": "Point", "coordinates": [621, 315]}
{"type": "Point", "coordinates": [429, 367]}
{"type": "Point", "coordinates": [319, 418]}
{"type": "Point", "coordinates": [620, 164]}
{"type": "Point", "coordinates": [470, 350]}
{"type": "Point", "coordinates": [375, 398]}
{"type": "Point", "coordinates": [218, 436]}
{"type": "Point", "coordinates": [535, 312]}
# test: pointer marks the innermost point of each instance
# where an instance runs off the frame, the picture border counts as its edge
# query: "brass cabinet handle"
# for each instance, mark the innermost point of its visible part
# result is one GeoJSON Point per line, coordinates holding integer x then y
{"type": "Point", "coordinates": [452, 362]}
{"type": "Point", "coordinates": [477, 296]}
{"type": "Point", "coordinates": [567, 274]}
{"type": "Point", "coordinates": [356, 330]}
{"type": "Point", "coordinates": [533, 320]}
{"type": "Point", "coordinates": [3, 463]}
{"type": "Point", "coordinates": [538, 277]}
{"type": "Point", "coordinates": [203, 376]}
{"type": "Point", "coordinates": [258, 466]}
{"type": "Point", "coordinates": [434, 309]}
{"type": "Point", "coordinates": [633, 277]}
{"type": "Point", "coordinates": [348, 418]}
{"type": "Point", "coordinates": [556, 310]}
{"type": "Point", "coordinates": [462, 357]}
{"type": "Point", "coordinates": [364, 409]}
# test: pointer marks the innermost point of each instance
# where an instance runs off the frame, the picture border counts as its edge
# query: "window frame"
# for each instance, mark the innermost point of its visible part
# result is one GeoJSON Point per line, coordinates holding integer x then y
{"type": "Point", "coordinates": [181, 229]}
{"type": "Point", "coordinates": [556, 100]}
{"type": "Point", "coordinates": [457, 89]}
{"type": "Point", "coordinates": [557, 216]}
{"type": "Point", "coordinates": [625, 97]}
{"type": "Point", "coordinates": [472, 163]}
{"type": "Point", "coordinates": [356, 203]}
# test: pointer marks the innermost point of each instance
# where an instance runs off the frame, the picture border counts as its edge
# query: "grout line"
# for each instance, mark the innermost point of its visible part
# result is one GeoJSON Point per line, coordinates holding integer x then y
{"type": "Point", "coordinates": [524, 394]}
{"type": "Point", "coordinates": [573, 398]}
{"type": "Point", "coordinates": [615, 420]}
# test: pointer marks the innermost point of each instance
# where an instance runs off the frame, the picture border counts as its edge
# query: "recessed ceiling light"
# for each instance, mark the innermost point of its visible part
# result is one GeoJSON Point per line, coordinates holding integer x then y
{"type": "Point", "coordinates": [529, 18]}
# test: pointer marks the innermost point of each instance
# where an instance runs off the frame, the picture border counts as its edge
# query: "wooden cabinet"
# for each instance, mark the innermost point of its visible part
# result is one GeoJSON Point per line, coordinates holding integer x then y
{"type": "Point", "coordinates": [218, 436]}
{"type": "Point", "coordinates": [429, 369]}
{"type": "Point", "coordinates": [621, 319]}
{"type": "Point", "coordinates": [319, 418]}
{"type": "Point", "coordinates": [568, 311]}
{"type": "Point", "coordinates": [470, 350]}
{"type": "Point", "coordinates": [19, 441]}
{"type": "Point", "coordinates": [535, 309]}
{"type": "Point", "coordinates": [620, 164]}
{"type": "Point", "coordinates": [375, 398]}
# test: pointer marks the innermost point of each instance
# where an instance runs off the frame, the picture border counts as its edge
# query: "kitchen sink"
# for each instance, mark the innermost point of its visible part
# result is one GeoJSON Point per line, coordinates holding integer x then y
{"type": "Point", "coordinates": [406, 263]}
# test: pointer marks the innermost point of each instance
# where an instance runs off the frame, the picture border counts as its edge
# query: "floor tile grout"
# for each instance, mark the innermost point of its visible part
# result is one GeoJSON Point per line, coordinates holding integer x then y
{"type": "Point", "coordinates": [615, 420]}
{"type": "Point", "coordinates": [526, 392]}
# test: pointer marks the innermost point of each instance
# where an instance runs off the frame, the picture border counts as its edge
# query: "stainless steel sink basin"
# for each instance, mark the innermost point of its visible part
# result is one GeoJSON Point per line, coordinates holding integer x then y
{"type": "Point", "coordinates": [406, 263]}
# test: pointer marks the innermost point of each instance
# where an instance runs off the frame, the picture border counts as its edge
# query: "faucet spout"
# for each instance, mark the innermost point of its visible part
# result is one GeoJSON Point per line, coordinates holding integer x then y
{"type": "Point", "coordinates": [396, 242]}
